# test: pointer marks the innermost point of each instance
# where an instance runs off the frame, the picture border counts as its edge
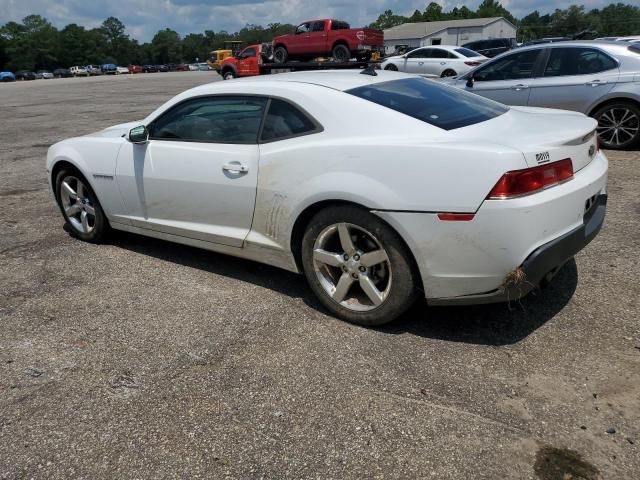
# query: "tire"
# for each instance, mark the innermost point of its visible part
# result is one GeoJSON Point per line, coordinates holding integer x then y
{"type": "Point", "coordinates": [88, 222]}
{"type": "Point", "coordinates": [280, 54]}
{"type": "Point", "coordinates": [342, 284]}
{"type": "Point", "coordinates": [448, 73]}
{"type": "Point", "coordinates": [618, 125]}
{"type": "Point", "coordinates": [391, 67]}
{"type": "Point", "coordinates": [229, 74]}
{"type": "Point", "coordinates": [341, 53]}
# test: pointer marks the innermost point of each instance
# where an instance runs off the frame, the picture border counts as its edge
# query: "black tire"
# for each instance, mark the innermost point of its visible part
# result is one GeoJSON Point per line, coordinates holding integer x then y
{"type": "Point", "coordinates": [448, 73]}
{"type": "Point", "coordinates": [100, 225]}
{"type": "Point", "coordinates": [280, 54]}
{"type": "Point", "coordinates": [402, 291]}
{"type": "Point", "coordinates": [229, 74]}
{"type": "Point", "coordinates": [341, 53]}
{"type": "Point", "coordinates": [391, 67]}
{"type": "Point", "coordinates": [606, 133]}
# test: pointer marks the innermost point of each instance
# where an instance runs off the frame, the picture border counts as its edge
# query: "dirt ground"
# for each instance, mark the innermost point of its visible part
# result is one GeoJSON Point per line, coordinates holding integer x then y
{"type": "Point", "coordinates": [143, 359]}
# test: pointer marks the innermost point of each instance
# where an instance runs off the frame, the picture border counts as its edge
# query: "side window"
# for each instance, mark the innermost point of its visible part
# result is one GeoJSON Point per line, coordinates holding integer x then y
{"type": "Point", "coordinates": [420, 53]}
{"type": "Point", "coordinates": [284, 120]}
{"type": "Point", "coordinates": [317, 27]}
{"type": "Point", "coordinates": [248, 53]}
{"type": "Point", "coordinates": [223, 119]}
{"type": "Point", "coordinates": [338, 25]}
{"type": "Point", "coordinates": [437, 53]}
{"type": "Point", "coordinates": [304, 28]}
{"type": "Point", "coordinates": [577, 61]}
{"type": "Point", "coordinates": [510, 67]}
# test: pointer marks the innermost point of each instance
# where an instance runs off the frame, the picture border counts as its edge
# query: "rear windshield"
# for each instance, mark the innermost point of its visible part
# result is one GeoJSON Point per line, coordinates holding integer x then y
{"type": "Point", "coordinates": [466, 52]}
{"type": "Point", "coordinates": [439, 105]}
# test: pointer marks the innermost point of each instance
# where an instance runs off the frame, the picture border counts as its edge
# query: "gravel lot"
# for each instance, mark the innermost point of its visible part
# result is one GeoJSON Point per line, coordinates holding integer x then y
{"type": "Point", "coordinates": [140, 358]}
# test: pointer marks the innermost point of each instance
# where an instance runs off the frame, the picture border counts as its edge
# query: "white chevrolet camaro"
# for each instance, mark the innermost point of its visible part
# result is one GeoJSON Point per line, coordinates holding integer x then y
{"type": "Point", "coordinates": [379, 188]}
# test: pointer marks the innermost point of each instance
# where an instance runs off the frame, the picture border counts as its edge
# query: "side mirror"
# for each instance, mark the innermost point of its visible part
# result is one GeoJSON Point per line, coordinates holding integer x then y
{"type": "Point", "coordinates": [138, 134]}
{"type": "Point", "coordinates": [470, 82]}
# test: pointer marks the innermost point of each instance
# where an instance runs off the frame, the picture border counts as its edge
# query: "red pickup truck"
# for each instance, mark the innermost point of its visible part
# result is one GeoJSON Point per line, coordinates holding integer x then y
{"type": "Point", "coordinates": [328, 37]}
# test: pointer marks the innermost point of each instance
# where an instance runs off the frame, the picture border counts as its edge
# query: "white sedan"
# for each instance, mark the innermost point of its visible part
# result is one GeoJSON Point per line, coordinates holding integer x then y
{"type": "Point", "coordinates": [441, 61]}
{"type": "Point", "coordinates": [122, 70]}
{"type": "Point", "coordinates": [379, 188]}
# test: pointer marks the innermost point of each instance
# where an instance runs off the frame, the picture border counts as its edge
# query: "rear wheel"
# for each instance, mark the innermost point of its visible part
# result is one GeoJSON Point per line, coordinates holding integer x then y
{"type": "Point", "coordinates": [448, 73]}
{"type": "Point", "coordinates": [280, 54]}
{"type": "Point", "coordinates": [391, 67]}
{"type": "Point", "coordinates": [618, 125]}
{"type": "Point", "coordinates": [341, 53]}
{"type": "Point", "coordinates": [357, 266]}
{"type": "Point", "coordinates": [79, 206]}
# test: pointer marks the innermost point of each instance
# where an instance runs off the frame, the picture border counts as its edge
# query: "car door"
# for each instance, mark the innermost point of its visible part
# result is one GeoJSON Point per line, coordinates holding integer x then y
{"type": "Point", "coordinates": [197, 175]}
{"type": "Point", "coordinates": [437, 62]}
{"type": "Point", "coordinates": [298, 42]}
{"type": "Point", "coordinates": [317, 39]}
{"type": "Point", "coordinates": [574, 78]}
{"type": "Point", "coordinates": [507, 79]}
{"type": "Point", "coordinates": [248, 62]}
{"type": "Point", "coordinates": [414, 62]}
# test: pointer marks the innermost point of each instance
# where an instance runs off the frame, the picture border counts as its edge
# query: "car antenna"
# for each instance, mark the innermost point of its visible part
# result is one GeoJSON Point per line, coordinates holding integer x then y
{"type": "Point", "coordinates": [369, 70]}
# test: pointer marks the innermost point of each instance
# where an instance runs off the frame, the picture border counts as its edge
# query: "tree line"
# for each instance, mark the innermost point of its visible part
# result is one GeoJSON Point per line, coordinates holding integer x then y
{"type": "Point", "coordinates": [35, 43]}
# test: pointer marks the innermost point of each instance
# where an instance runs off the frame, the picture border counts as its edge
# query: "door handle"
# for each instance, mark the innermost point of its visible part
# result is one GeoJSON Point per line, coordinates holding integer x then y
{"type": "Point", "coordinates": [420, 63]}
{"type": "Point", "coordinates": [235, 167]}
{"type": "Point", "coordinates": [443, 63]}
{"type": "Point", "coordinates": [519, 87]}
{"type": "Point", "coordinates": [596, 83]}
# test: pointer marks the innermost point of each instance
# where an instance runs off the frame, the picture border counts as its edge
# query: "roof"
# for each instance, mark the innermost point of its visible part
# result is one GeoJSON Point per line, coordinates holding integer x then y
{"type": "Point", "coordinates": [424, 29]}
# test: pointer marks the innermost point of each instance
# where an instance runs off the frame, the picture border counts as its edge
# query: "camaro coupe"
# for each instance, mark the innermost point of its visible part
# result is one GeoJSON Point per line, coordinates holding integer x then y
{"type": "Point", "coordinates": [378, 187]}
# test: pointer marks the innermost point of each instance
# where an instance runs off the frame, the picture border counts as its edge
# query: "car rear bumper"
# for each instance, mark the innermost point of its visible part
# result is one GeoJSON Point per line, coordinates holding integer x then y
{"type": "Point", "coordinates": [543, 263]}
{"type": "Point", "coordinates": [465, 262]}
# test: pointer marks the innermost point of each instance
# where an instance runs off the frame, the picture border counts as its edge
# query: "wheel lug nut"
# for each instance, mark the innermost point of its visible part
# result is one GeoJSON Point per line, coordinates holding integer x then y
{"type": "Point", "coordinates": [345, 256]}
{"type": "Point", "coordinates": [362, 269]}
{"type": "Point", "coordinates": [356, 257]}
{"type": "Point", "coordinates": [344, 268]}
{"type": "Point", "coordinates": [355, 275]}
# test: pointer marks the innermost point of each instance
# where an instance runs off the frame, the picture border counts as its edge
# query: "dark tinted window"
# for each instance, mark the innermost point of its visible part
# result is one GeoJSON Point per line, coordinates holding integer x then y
{"type": "Point", "coordinates": [466, 52]}
{"type": "Point", "coordinates": [249, 52]}
{"type": "Point", "coordinates": [510, 67]}
{"type": "Point", "coordinates": [420, 53]}
{"type": "Point", "coordinates": [284, 120]}
{"type": "Point", "coordinates": [433, 103]}
{"type": "Point", "coordinates": [213, 120]}
{"type": "Point", "coordinates": [304, 28]}
{"type": "Point", "coordinates": [317, 27]}
{"type": "Point", "coordinates": [437, 53]}
{"type": "Point", "coordinates": [338, 25]}
{"type": "Point", "coordinates": [577, 61]}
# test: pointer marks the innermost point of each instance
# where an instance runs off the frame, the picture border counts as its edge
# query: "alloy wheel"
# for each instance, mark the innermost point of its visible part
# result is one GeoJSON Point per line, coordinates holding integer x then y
{"type": "Point", "coordinates": [352, 267]}
{"type": "Point", "coordinates": [618, 126]}
{"type": "Point", "coordinates": [77, 205]}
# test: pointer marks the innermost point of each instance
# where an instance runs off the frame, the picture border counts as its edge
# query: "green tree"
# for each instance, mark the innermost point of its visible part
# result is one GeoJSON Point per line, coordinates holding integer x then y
{"type": "Point", "coordinates": [433, 13]}
{"type": "Point", "coordinates": [387, 20]}
{"type": "Point", "coordinates": [165, 46]}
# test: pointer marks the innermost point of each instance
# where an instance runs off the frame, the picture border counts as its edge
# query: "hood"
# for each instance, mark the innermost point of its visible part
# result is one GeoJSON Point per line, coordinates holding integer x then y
{"type": "Point", "coordinates": [116, 130]}
{"type": "Point", "coordinates": [280, 37]}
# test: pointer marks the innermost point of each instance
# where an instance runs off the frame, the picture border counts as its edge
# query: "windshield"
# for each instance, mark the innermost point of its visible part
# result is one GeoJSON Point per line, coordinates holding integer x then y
{"type": "Point", "coordinates": [439, 105]}
{"type": "Point", "coordinates": [467, 53]}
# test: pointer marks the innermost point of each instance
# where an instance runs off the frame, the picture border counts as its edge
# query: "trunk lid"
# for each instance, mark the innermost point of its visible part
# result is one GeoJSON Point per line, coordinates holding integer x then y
{"type": "Point", "coordinates": [543, 135]}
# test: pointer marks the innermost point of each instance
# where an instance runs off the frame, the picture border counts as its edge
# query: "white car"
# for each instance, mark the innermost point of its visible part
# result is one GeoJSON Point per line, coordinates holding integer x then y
{"type": "Point", "coordinates": [193, 67]}
{"type": "Point", "coordinates": [378, 187]}
{"type": "Point", "coordinates": [122, 70]}
{"type": "Point", "coordinates": [79, 71]}
{"type": "Point", "coordinates": [442, 61]}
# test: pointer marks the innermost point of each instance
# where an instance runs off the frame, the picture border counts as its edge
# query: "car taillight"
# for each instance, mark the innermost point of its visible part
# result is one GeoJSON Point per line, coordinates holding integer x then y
{"type": "Point", "coordinates": [530, 180]}
{"type": "Point", "coordinates": [472, 64]}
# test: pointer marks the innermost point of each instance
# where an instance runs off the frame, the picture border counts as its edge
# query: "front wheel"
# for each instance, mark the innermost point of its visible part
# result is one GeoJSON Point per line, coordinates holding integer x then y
{"type": "Point", "coordinates": [448, 73]}
{"type": "Point", "coordinates": [357, 266]}
{"type": "Point", "coordinates": [391, 67]}
{"type": "Point", "coordinates": [80, 206]}
{"type": "Point", "coordinates": [229, 75]}
{"type": "Point", "coordinates": [618, 125]}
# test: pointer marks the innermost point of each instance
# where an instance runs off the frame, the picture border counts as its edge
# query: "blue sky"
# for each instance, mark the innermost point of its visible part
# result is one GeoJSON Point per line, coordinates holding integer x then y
{"type": "Point", "coordinates": [144, 17]}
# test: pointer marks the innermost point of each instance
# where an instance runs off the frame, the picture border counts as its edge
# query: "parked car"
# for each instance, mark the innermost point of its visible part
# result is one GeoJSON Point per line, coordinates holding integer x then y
{"type": "Point", "coordinates": [203, 67]}
{"type": "Point", "coordinates": [135, 69]}
{"type": "Point", "coordinates": [599, 79]}
{"type": "Point", "coordinates": [7, 77]}
{"type": "Point", "coordinates": [539, 41]}
{"type": "Point", "coordinates": [62, 73]}
{"type": "Point", "coordinates": [442, 61]}
{"type": "Point", "coordinates": [182, 67]}
{"type": "Point", "coordinates": [438, 193]}
{"type": "Point", "coordinates": [109, 68]}
{"type": "Point", "coordinates": [25, 75]}
{"type": "Point", "coordinates": [162, 68]}
{"type": "Point", "coordinates": [327, 37]}
{"type": "Point", "coordinates": [122, 70]}
{"type": "Point", "coordinates": [44, 74]}
{"type": "Point", "coordinates": [94, 70]}
{"type": "Point", "coordinates": [79, 71]}
{"type": "Point", "coordinates": [193, 67]}
{"type": "Point", "coordinates": [492, 47]}
{"type": "Point", "coordinates": [149, 69]}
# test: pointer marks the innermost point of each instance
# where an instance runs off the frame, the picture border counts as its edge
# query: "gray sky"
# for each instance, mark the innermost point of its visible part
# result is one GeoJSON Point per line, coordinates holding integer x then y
{"type": "Point", "coordinates": [145, 17]}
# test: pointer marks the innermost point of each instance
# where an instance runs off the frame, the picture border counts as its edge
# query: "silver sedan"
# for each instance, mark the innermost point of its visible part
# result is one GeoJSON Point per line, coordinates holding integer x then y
{"type": "Point", "coordinates": [598, 78]}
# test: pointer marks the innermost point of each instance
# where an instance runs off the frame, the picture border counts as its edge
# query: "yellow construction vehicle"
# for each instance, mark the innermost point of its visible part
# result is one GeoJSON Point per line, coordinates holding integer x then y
{"type": "Point", "coordinates": [230, 48]}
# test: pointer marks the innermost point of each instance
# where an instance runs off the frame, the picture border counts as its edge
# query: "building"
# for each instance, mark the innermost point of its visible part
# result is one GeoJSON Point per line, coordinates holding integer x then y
{"type": "Point", "coordinates": [449, 32]}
